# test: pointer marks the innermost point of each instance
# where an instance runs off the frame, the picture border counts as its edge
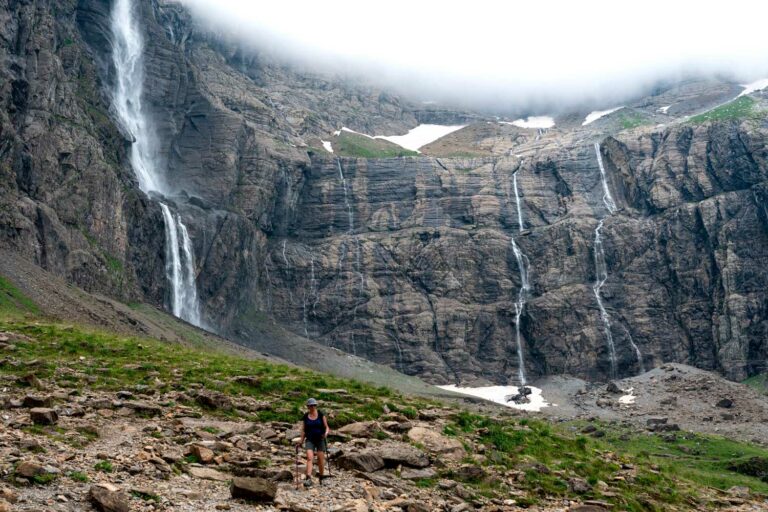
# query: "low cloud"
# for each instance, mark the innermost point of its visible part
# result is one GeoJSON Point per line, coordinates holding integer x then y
{"type": "Point", "coordinates": [508, 56]}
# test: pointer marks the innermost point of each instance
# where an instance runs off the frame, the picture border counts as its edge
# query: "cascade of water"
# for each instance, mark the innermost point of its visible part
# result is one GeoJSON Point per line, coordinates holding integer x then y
{"type": "Point", "coordinates": [517, 203]}
{"type": "Point", "coordinates": [127, 57]}
{"type": "Point", "coordinates": [522, 265]}
{"type": "Point", "coordinates": [358, 248]}
{"type": "Point", "coordinates": [601, 273]}
{"type": "Point", "coordinates": [179, 267]}
{"type": "Point", "coordinates": [607, 197]}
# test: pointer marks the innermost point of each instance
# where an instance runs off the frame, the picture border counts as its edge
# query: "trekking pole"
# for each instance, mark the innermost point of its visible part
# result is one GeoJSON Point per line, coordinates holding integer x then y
{"type": "Point", "coordinates": [296, 471]}
{"type": "Point", "coordinates": [328, 459]}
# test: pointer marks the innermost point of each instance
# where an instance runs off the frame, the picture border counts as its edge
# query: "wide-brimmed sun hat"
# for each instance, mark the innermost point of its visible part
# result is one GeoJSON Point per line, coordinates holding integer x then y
{"type": "Point", "coordinates": [311, 401]}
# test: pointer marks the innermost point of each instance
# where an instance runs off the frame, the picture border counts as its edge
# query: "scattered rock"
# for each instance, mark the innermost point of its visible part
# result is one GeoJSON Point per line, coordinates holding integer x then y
{"type": "Point", "coordinates": [208, 474]}
{"type": "Point", "coordinates": [203, 454]}
{"type": "Point", "coordinates": [725, 403]}
{"type": "Point", "coordinates": [358, 505]}
{"type": "Point", "coordinates": [253, 489]}
{"type": "Point", "coordinates": [448, 448]}
{"type": "Point", "coordinates": [108, 498]}
{"type": "Point", "coordinates": [365, 462]}
{"type": "Point", "coordinates": [144, 408]}
{"type": "Point", "coordinates": [213, 400]}
{"type": "Point", "coordinates": [29, 470]}
{"type": "Point", "coordinates": [579, 485]}
{"type": "Point", "coordinates": [418, 474]}
{"type": "Point", "coordinates": [43, 416]}
{"type": "Point", "coordinates": [360, 429]}
{"type": "Point", "coordinates": [396, 453]}
{"type": "Point", "coordinates": [33, 401]}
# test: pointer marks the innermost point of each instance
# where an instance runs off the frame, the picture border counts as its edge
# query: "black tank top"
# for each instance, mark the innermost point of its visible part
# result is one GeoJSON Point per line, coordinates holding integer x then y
{"type": "Point", "coordinates": [314, 429]}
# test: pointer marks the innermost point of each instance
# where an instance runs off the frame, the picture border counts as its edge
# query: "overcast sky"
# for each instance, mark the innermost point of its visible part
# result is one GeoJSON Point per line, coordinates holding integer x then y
{"type": "Point", "coordinates": [509, 52]}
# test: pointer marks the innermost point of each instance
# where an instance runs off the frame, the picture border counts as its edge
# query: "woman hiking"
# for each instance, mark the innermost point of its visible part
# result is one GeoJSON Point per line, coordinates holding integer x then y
{"type": "Point", "coordinates": [314, 430]}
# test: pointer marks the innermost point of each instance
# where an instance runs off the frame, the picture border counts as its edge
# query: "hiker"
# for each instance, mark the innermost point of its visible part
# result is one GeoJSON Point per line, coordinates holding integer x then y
{"type": "Point", "coordinates": [314, 430]}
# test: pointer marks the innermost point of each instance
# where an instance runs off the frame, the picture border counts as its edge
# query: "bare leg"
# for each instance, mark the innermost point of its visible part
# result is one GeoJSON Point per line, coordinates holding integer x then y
{"type": "Point", "coordinates": [321, 461]}
{"type": "Point", "coordinates": [310, 454]}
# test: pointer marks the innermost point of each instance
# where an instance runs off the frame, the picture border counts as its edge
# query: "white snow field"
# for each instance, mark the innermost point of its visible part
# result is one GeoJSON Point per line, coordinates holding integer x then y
{"type": "Point", "coordinates": [416, 138]}
{"type": "Point", "coordinates": [597, 114]}
{"type": "Point", "coordinates": [757, 85]}
{"type": "Point", "coordinates": [498, 394]}
{"type": "Point", "coordinates": [327, 145]}
{"type": "Point", "coordinates": [533, 122]}
{"type": "Point", "coordinates": [421, 135]}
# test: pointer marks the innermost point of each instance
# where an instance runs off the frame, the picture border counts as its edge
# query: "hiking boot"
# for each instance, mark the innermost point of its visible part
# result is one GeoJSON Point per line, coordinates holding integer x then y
{"type": "Point", "coordinates": [308, 482]}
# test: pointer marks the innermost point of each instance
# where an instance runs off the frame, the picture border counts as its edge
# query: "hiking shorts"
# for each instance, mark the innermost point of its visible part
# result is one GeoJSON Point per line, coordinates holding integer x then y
{"type": "Point", "coordinates": [317, 446]}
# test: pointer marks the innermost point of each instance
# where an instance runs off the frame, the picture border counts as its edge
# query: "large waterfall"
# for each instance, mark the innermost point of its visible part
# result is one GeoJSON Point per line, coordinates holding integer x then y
{"type": "Point", "coordinates": [128, 59]}
{"type": "Point", "coordinates": [601, 274]}
{"type": "Point", "coordinates": [525, 287]}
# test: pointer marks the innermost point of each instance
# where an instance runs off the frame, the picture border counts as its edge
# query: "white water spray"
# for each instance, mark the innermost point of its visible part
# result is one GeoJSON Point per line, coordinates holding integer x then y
{"type": "Point", "coordinates": [601, 274]}
{"type": "Point", "coordinates": [179, 268]}
{"type": "Point", "coordinates": [127, 57]}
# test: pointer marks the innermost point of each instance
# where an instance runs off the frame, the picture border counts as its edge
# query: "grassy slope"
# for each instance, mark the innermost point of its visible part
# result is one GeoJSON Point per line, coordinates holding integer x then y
{"type": "Point", "coordinates": [740, 108]}
{"type": "Point", "coordinates": [664, 475]}
{"type": "Point", "coordinates": [352, 144]}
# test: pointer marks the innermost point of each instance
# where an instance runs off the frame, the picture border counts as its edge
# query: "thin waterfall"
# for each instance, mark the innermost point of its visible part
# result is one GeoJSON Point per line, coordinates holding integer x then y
{"type": "Point", "coordinates": [179, 267]}
{"type": "Point", "coordinates": [525, 286]}
{"type": "Point", "coordinates": [601, 274]}
{"type": "Point", "coordinates": [128, 59]}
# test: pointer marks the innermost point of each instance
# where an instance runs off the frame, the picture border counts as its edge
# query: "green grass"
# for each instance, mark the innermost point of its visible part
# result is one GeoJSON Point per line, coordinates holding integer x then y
{"type": "Point", "coordinates": [78, 476]}
{"type": "Point", "coordinates": [352, 144]}
{"type": "Point", "coordinates": [104, 466]}
{"type": "Point", "coordinates": [655, 474]}
{"type": "Point", "coordinates": [759, 383]}
{"type": "Point", "coordinates": [13, 302]}
{"type": "Point", "coordinates": [629, 119]}
{"type": "Point", "coordinates": [740, 108]}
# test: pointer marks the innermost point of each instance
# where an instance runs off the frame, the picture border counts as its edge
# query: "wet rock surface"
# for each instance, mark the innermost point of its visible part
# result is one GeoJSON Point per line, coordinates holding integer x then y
{"type": "Point", "coordinates": [408, 262]}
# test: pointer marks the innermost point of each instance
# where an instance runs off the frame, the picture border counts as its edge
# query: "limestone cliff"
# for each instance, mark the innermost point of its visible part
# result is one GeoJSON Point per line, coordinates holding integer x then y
{"type": "Point", "coordinates": [411, 261]}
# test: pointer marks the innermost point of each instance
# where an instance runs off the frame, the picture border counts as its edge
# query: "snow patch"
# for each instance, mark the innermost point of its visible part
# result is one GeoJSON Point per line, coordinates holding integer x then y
{"type": "Point", "coordinates": [533, 122]}
{"type": "Point", "coordinates": [416, 138]}
{"type": "Point", "coordinates": [421, 135]}
{"type": "Point", "coordinates": [664, 110]}
{"type": "Point", "coordinates": [327, 145]}
{"type": "Point", "coordinates": [597, 114]}
{"type": "Point", "coordinates": [757, 85]}
{"type": "Point", "coordinates": [499, 395]}
{"type": "Point", "coordinates": [629, 398]}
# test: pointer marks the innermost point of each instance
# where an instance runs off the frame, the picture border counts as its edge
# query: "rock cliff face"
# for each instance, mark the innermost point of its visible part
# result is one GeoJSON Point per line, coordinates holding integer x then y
{"type": "Point", "coordinates": [411, 261]}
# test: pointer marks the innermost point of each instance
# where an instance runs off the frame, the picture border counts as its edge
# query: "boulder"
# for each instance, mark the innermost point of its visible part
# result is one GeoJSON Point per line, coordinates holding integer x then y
{"type": "Point", "coordinates": [43, 416]}
{"type": "Point", "coordinates": [579, 485]}
{"type": "Point", "coordinates": [208, 474]}
{"type": "Point", "coordinates": [358, 505]}
{"type": "Point", "coordinates": [365, 462]}
{"type": "Point", "coordinates": [253, 489]}
{"type": "Point", "coordinates": [144, 408]}
{"type": "Point", "coordinates": [33, 401]}
{"type": "Point", "coordinates": [108, 498]}
{"type": "Point", "coordinates": [613, 389]}
{"type": "Point", "coordinates": [725, 403]}
{"type": "Point", "coordinates": [29, 470]}
{"type": "Point", "coordinates": [418, 474]}
{"type": "Point", "coordinates": [360, 429]}
{"type": "Point", "coordinates": [213, 400]}
{"type": "Point", "coordinates": [437, 443]}
{"type": "Point", "coordinates": [203, 454]}
{"type": "Point", "coordinates": [395, 453]}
